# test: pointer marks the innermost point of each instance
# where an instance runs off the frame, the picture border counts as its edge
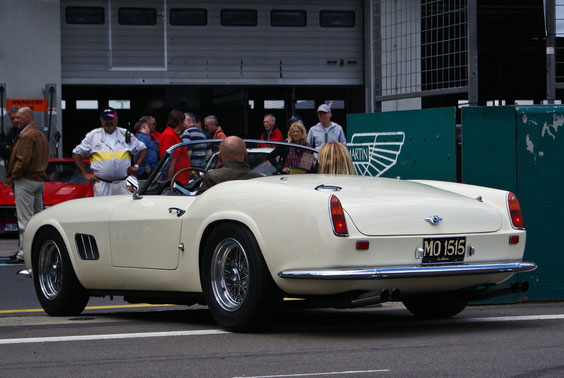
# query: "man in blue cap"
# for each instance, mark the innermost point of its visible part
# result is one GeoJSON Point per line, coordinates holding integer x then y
{"type": "Point", "coordinates": [109, 149]}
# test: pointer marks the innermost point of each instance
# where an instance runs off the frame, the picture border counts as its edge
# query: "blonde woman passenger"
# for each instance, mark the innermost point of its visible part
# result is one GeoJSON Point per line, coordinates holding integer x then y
{"type": "Point", "coordinates": [334, 159]}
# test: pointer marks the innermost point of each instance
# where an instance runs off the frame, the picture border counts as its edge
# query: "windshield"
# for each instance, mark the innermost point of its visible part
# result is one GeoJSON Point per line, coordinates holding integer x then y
{"type": "Point", "coordinates": [64, 171]}
{"type": "Point", "coordinates": [267, 159]}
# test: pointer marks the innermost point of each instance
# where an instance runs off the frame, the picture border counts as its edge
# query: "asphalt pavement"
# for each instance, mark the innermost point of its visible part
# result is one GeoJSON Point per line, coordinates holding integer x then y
{"type": "Point", "coordinates": [8, 246]}
{"type": "Point", "coordinates": [112, 337]}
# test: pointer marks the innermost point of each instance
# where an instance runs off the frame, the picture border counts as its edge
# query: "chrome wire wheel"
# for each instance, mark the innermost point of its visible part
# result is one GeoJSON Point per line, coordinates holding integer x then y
{"type": "Point", "coordinates": [230, 274]}
{"type": "Point", "coordinates": [50, 270]}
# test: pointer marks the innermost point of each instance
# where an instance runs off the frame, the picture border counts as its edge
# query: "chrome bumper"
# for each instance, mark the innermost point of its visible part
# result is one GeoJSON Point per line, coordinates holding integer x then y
{"type": "Point", "coordinates": [407, 272]}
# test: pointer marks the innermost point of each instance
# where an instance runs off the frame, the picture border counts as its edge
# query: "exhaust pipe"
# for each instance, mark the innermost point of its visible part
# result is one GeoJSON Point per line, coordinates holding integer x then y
{"type": "Point", "coordinates": [395, 295]}
{"type": "Point", "coordinates": [368, 301]}
{"type": "Point", "coordinates": [500, 290]}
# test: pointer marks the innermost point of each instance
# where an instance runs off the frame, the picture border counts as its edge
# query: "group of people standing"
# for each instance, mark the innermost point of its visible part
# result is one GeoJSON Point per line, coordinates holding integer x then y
{"type": "Point", "coordinates": [326, 136]}
{"type": "Point", "coordinates": [112, 149]}
{"type": "Point", "coordinates": [323, 132]}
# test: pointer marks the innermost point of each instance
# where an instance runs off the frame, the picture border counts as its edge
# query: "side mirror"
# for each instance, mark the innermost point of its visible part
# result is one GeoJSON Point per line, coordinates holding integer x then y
{"type": "Point", "coordinates": [132, 184]}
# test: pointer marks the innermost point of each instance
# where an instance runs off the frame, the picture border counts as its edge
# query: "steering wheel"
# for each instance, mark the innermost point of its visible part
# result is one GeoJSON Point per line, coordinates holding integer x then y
{"type": "Point", "coordinates": [193, 169]}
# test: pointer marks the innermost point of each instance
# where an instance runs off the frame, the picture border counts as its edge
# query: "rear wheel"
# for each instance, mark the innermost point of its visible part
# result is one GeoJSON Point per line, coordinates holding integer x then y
{"type": "Point", "coordinates": [436, 306]}
{"type": "Point", "coordinates": [56, 285]}
{"type": "Point", "coordinates": [237, 284]}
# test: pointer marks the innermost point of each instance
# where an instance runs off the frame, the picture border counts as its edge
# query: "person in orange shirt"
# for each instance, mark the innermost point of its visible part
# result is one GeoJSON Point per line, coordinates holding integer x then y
{"type": "Point", "coordinates": [212, 125]}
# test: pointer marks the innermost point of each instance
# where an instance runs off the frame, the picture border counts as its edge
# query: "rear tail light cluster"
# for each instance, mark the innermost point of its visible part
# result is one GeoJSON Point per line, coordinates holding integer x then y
{"type": "Point", "coordinates": [515, 211]}
{"type": "Point", "coordinates": [338, 220]}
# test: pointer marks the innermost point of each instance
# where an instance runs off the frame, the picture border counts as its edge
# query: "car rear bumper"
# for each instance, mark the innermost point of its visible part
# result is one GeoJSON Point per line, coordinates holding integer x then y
{"type": "Point", "coordinates": [407, 272]}
{"type": "Point", "coordinates": [8, 219]}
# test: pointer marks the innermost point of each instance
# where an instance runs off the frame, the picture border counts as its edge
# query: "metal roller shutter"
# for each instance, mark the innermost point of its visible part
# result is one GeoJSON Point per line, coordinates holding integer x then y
{"type": "Point", "coordinates": [160, 53]}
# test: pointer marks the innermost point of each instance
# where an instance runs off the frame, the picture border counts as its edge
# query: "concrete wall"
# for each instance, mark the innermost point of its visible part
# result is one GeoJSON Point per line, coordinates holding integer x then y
{"type": "Point", "coordinates": [30, 53]}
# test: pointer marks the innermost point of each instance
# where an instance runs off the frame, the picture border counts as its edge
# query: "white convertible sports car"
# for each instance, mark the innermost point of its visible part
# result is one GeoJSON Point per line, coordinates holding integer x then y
{"type": "Point", "coordinates": [242, 246]}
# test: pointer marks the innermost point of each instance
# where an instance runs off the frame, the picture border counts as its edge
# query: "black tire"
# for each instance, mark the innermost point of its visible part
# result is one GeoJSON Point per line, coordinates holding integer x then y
{"type": "Point", "coordinates": [56, 285]}
{"type": "Point", "coordinates": [239, 290]}
{"type": "Point", "coordinates": [436, 306]}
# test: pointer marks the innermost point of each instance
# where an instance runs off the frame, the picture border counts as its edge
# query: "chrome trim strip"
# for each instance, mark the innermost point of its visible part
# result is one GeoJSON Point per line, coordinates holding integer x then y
{"type": "Point", "coordinates": [407, 272]}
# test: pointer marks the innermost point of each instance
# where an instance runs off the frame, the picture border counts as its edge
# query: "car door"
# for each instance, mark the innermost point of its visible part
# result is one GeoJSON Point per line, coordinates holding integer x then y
{"type": "Point", "coordinates": [145, 233]}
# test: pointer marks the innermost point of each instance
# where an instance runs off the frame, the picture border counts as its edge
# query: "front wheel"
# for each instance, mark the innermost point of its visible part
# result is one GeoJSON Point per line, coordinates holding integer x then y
{"type": "Point", "coordinates": [56, 285]}
{"type": "Point", "coordinates": [237, 284]}
{"type": "Point", "coordinates": [436, 306]}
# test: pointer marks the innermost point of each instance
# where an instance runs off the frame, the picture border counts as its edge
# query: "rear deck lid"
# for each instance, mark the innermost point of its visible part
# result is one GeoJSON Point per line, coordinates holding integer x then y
{"type": "Point", "coordinates": [393, 207]}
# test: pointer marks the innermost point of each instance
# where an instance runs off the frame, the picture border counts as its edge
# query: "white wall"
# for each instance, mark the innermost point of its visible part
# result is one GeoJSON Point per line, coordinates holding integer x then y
{"type": "Point", "coordinates": [30, 52]}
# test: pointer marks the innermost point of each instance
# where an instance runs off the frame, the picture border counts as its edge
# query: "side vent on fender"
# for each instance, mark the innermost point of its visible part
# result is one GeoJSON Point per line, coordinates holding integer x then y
{"type": "Point", "coordinates": [86, 247]}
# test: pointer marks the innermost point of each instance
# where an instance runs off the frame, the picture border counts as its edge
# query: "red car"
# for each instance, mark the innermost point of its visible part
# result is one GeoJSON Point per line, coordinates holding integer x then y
{"type": "Point", "coordinates": [63, 182]}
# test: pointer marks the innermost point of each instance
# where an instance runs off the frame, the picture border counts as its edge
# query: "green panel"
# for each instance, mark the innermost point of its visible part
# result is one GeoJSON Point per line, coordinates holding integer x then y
{"type": "Point", "coordinates": [540, 162]}
{"type": "Point", "coordinates": [488, 155]}
{"type": "Point", "coordinates": [522, 150]}
{"type": "Point", "coordinates": [488, 147]}
{"type": "Point", "coordinates": [414, 144]}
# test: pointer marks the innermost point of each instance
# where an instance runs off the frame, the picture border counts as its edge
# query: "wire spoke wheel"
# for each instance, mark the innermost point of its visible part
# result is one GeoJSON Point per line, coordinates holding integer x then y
{"type": "Point", "coordinates": [56, 285]}
{"type": "Point", "coordinates": [237, 285]}
{"type": "Point", "coordinates": [230, 274]}
{"type": "Point", "coordinates": [50, 270]}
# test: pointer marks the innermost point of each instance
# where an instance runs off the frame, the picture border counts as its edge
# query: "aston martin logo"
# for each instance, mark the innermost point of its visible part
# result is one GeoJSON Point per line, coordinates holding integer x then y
{"type": "Point", "coordinates": [434, 219]}
{"type": "Point", "coordinates": [374, 153]}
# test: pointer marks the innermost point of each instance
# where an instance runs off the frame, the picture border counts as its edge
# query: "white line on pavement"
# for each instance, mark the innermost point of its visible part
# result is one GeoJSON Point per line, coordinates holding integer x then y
{"type": "Point", "coordinates": [111, 336]}
{"type": "Point", "coordinates": [30, 340]}
{"type": "Point", "coordinates": [318, 374]}
{"type": "Point", "coordinates": [517, 318]}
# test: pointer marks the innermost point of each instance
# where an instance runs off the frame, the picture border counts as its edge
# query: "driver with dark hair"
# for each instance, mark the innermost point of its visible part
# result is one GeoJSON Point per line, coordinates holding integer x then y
{"type": "Point", "coordinates": [233, 164]}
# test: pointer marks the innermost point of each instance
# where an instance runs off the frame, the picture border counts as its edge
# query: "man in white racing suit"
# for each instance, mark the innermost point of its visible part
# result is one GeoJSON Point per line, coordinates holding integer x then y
{"type": "Point", "coordinates": [109, 149]}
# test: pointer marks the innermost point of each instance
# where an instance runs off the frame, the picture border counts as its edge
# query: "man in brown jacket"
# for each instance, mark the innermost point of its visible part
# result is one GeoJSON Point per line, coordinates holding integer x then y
{"type": "Point", "coordinates": [26, 170]}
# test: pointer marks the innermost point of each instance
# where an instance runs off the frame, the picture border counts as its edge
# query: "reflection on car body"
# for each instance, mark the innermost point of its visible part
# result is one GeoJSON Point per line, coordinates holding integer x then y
{"type": "Point", "coordinates": [241, 246]}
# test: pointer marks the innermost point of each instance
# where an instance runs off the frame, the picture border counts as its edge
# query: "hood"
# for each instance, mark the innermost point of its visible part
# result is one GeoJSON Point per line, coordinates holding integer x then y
{"type": "Point", "coordinates": [6, 195]}
{"type": "Point", "coordinates": [53, 193]}
{"type": "Point", "coordinates": [57, 192]}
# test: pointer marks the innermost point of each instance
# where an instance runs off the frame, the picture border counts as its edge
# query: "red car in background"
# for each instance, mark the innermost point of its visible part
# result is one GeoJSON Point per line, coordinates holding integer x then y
{"type": "Point", "coordinates": [63, 182]}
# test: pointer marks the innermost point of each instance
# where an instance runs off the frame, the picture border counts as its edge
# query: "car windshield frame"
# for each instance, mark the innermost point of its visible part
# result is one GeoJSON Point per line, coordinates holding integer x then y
{"type": "Point", "coordinates": [170, 151]}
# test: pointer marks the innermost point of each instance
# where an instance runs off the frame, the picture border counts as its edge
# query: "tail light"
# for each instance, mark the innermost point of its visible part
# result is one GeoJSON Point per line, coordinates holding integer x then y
{"type": "Point", "coordinates": [338, 220]}
{"type": "Point", "coordinates": [515, 211]}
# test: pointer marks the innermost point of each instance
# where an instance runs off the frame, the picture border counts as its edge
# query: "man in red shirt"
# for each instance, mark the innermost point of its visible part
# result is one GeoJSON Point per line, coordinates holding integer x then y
{"type": "Point", "coordinates": [170, 137]}
{"type": "Point", "coordinates": [271, 133]}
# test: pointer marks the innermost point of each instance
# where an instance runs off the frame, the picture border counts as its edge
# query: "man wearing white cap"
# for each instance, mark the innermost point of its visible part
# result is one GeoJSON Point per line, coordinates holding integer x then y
{"type": "Point", "coordinates": [325, 131]}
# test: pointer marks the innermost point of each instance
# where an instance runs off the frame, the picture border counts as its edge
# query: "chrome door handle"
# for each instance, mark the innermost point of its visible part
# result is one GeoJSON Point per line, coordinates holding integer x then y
{"type": "Point", "coordinates": [179, 212]}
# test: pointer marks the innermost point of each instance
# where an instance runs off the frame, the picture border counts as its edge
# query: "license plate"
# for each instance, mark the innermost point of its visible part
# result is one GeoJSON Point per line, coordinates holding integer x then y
{"type": "Point", "coordinates": [9, 227]}
{"type": "Point", "coordinates": [443, 250]}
